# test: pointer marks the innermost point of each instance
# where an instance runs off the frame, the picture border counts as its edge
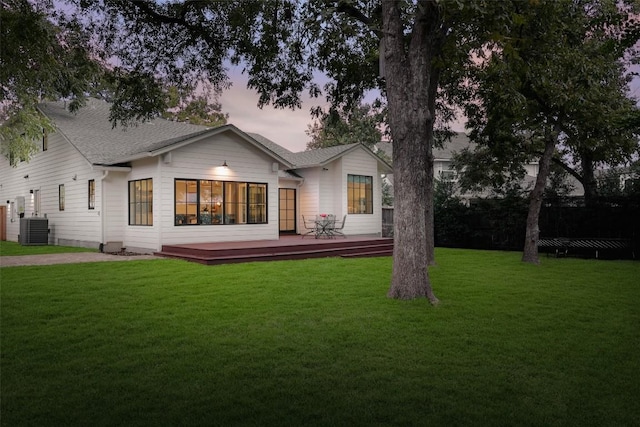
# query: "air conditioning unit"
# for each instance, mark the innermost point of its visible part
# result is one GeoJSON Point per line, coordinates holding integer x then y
{"type": "Point", "coordinates": [34, 231]}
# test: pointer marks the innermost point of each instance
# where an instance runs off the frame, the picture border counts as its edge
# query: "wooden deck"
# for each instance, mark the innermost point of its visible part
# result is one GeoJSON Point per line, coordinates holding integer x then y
{"type": "Point", "coordinates": [285, 248]}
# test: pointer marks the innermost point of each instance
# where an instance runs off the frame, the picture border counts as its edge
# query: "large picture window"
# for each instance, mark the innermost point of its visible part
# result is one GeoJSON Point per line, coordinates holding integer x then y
{"type": "Point", "coordinates": [360, 194]}
{"type": "Point", "coordinates": [204, 202]}
{"type": "Point", "coordinates": [141, 202]}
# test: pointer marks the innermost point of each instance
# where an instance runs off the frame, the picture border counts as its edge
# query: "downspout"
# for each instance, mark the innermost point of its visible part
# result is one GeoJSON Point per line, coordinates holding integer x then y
{"type": "Point", "coordinates": [298, 204]}
{"type": "Point", "coordinates": [102, 212]}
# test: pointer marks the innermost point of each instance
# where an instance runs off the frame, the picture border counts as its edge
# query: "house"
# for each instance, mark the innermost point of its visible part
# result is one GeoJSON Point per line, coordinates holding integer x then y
{"type": "Point", "coordinates": [443, 166]}
{"type": "Point", "coordinates": [164, 182]}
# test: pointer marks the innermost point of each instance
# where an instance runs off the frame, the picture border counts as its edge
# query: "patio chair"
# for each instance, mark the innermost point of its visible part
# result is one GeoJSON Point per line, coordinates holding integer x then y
{"type": "Point", "coordinates": [310, 226]}
{"type": "Point", "coordinates": [339, 226]}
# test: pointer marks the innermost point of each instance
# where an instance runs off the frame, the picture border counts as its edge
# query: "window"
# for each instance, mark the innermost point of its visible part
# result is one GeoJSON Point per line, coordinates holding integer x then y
{"type": "Point", "coordinates": [61, 197]}
{"type": "Point", "coordinates": [360, 194]}
{"type": "Point", "coordinates": [204, 202]}
{"type": "Point", "coordinates": [92, 194]}
{"type": "Point", "coordinates": [141, 202]}
{"type": "Point", "coordinates": [257, 203]}
{"type": "Point", "coordinates": [448, 176]}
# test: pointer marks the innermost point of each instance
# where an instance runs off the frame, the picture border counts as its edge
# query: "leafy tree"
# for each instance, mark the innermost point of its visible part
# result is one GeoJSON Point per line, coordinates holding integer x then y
{"type": "Point", "coordinates": [360, 125]}
{"type": "Point", "coordinates": [620, 181]}
{"type": "Point", "coordinates": [551, 84]}
{"type": "Point", "coordinates": [451, 226]}
{"type": "Point", "coordinates": [197, 110]}
{"type": "Point", "coordinates": [281, 44]}
{"type": "Point", "coordinates": [38, 59]}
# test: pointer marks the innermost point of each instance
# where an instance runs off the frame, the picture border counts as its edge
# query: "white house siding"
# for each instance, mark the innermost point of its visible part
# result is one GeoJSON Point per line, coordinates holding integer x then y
{"type": "Point", "coordinates": [77, 225]}
{"type": "Point", "coordinates": [440, 166]}
{"type": "Point", "coordinates": [532, 169]}
{"type": "Point", "coordinates": [308, 195]}
{"type": "Point", "coordinates": [359, 162]}
{"type": "Point", "coordinates": [114, 212]}
{"type": "Point", "coordinates": [329, 185]}
{"type": "Point", "coordinates": [203, 160]}
{"type": "Point", "coordinates": [140, 238]}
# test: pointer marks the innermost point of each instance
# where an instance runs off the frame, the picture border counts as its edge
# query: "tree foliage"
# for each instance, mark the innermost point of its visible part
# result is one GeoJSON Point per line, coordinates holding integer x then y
{"type": "Point", "coordinates": [553, 84]}
{"type": "Point", "coordinates": [38, 60]}
{"type": "Point", "coordinates": [360, 125]}
{"type": "Point", "coordinates": [197, 110]}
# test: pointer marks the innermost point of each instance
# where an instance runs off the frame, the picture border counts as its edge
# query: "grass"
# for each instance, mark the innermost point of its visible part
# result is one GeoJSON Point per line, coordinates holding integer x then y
{"type": "Point", "coordinates": [316, 342]}
{"type": "Point", "coordinates": [13, 249]}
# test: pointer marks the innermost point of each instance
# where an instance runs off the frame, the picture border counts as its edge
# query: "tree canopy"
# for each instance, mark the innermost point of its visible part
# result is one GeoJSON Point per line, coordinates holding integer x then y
{"type": "Point", "coordinates": [416, 53]}
{"type": "Point", "coordinates": [360, 125]}
{"type": "Point", "coordinates": [39, 59]}
{"type": "Point", "coordinates": [553, 84]}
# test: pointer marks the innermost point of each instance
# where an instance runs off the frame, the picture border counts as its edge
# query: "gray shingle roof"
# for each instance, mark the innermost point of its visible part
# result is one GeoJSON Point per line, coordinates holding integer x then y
{"type": "Point", "coordinates": [90, 131]}
{"type": "Point", "coordinates": [320, 156]}
{"type": "Point", "coordinates": [309, 158]}
{"type": "Point", "coordinates": [278, 149]}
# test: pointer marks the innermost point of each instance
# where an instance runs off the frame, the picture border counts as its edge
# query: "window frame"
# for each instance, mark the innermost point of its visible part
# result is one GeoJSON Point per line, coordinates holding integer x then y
{"type": "Point", "coordinates": [359, 189]}
{"type": "Point", "coordinates": [61, 197]}
{"type": "Point", "coordinates": [227, 210]}
{"type": "Point", "coordinates": [91, 194]}
{"type": "Point", "coordinates": [148, 203]}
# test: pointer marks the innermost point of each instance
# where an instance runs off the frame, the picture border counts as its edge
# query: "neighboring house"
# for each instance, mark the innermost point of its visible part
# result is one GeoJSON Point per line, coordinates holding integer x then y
{"type": "Point", "coordinates": [164, 182]}
{"type": "Point", "coordinates": [443, 165]}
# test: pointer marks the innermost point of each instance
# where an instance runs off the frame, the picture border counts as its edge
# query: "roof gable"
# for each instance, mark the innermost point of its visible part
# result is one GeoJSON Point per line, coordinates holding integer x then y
{"type": "Point", "coordinates": [318, 157]}
{"type": "Point", "coordinates": [91, 133]}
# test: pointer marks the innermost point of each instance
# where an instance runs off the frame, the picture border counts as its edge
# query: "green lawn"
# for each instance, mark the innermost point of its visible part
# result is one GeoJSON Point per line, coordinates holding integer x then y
{"type": "Point", "coordinates": [316, 342]}
{"type": "Point", "coordinates": [13, 248]}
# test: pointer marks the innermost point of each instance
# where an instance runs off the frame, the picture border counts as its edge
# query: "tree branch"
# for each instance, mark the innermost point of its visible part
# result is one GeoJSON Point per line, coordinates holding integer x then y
{"type": "Point", "coordinates": [350, 10]}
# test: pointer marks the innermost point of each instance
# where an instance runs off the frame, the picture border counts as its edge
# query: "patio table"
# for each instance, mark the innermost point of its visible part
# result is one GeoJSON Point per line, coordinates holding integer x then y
{"type": "Point", "coordinates": [325, 225]}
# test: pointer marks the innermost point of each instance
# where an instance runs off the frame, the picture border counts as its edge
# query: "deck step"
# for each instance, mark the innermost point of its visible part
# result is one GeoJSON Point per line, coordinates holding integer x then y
{"type": "Point", "coordinates": [211, 255]}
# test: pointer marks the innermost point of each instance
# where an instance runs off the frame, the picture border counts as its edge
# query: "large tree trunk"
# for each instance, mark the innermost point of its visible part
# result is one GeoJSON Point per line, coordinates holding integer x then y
{"type": "Point", "coordinates": [407, 80]}
{"type": "Point", "coordinates": [589, 182]}
{"type": "Point", "coordinates": [532, 235]}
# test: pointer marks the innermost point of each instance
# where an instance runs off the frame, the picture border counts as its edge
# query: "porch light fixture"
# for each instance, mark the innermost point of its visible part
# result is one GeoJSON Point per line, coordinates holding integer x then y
{"type": "Point", "coordinates": [225, 165]}
{"type": "Point", "coordinates": [26, 177]}
{"type": "Point", "coordinates": [30, 191]}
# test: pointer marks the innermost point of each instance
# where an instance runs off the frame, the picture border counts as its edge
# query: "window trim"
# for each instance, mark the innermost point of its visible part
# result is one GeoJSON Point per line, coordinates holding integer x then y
{"type": "Point", "coordinates": [354, 201]}
{"type": "Point", "coordinates": [91, 194]}
{"type": "Point", "coordinates": [61, 197]}
{"type": "Point", "coordinates": [134, 203]}
{"type": "Point", "coordinates": [224, 204]}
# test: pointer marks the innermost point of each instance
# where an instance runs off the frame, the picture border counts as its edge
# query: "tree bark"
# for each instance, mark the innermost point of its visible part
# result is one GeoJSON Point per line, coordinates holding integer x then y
{"type": "Point", "coordinates": [589, 182]}
{"type": "Point", "coordinates": [532, 235]}
{"type": "Point", "coordinates": [407, 73]}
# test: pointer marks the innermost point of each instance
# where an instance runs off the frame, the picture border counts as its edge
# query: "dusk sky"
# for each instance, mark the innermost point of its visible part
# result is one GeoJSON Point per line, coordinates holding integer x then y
{"type": "Point", "coordinates": [287, 127]}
